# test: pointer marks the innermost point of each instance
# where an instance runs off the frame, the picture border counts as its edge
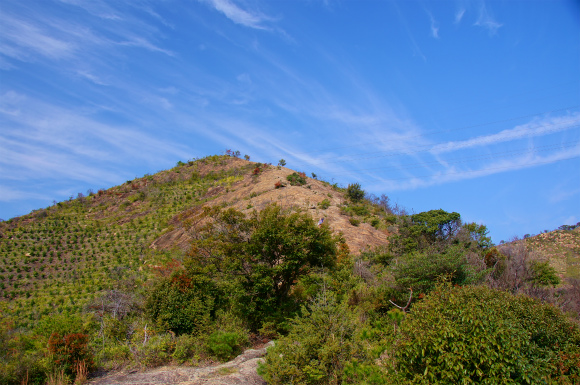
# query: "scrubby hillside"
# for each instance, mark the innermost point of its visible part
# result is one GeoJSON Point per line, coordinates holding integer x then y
{"type": "Point", "coordinates": [561, 248]}
{"type": "Point", "coordinates": [57, 259]}
{"type": "Point", "coordinates": [192, 265]}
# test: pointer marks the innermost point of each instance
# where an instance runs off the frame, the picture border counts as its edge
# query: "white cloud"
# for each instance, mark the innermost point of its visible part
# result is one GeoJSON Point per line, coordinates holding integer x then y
{"type": "Point", "coordinates": [140, 42]}
{"type": "Point", "coordinates": [434, 26]}
{"type": "Point", "coordinates": [47, 141]}
{"type": "Point", "coordinates": [455, 174]}
{"type": "Point", "coordinates": [531, 129]}
{"type": "Point", "coordinates": [237, 14]}
{"type": "Point", "coordinates": [23, 40]}
{"type": "Point", "coordinates": [562, 193]}
{"type": "Point", "coordinates": [93, 78]}
{"type": "Point", "coordinates": [459, 15]}
{"type": "Point", "coordinates": [8, 194]}
{"type": "Point", "coordinates": [486, 20]}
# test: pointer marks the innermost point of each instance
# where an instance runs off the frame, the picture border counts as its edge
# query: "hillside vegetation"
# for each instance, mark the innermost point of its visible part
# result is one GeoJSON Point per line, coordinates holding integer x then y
{"type": "Point", "coordinates": [194, 264]}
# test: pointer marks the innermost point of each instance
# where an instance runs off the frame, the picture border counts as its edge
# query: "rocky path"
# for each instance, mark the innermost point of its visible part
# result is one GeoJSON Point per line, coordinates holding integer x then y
{"type": "Point", "coordinates": [240, 371]}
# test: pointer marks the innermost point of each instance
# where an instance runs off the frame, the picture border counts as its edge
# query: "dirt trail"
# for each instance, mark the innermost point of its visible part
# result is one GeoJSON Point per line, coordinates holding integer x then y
{"type": "Point", "coordinates": [240, 371]}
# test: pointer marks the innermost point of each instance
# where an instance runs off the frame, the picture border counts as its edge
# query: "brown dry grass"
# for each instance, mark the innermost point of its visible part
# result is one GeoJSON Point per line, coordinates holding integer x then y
{"type": "Point", "coordinates": [254, 192]}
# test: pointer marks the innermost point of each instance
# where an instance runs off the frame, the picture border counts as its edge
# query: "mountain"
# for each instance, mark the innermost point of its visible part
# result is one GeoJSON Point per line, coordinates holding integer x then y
{"type": "Point", "coordinates": [192, 265]}
{"type": "Point", "coordinates": [57, 259]}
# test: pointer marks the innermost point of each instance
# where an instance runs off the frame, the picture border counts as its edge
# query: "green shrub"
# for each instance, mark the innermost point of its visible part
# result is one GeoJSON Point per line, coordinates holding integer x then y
{"type": "Point", "coordinates": [543, 274]}
{"type": "Point", "coordinates": [324, 204]}
{"type": "Point", "coordinates": [354, 192]}
{"type": "Point", "coordinates": [226, 345]}
{"type": "Point", "coordinates": [113, 356]}
{"type": "Point", "coordinates": [157, 351]}
{"type": "Point", "coordinates": [186, 347]}
{"type": "Point", "coordinates": [296, 179]}
{"type": "Point", "coordinates": [258, 260]}
{"type": "Point", "coordinates": [182, 303]}
{"type": "Point", "coordinates": [317, 347]}
{"type": "Point", "coordinates": [421, 270]}
{"type": "Point", "coordinates": [472, 335]}
{"type": "Point", "coordinates": [354, 221]}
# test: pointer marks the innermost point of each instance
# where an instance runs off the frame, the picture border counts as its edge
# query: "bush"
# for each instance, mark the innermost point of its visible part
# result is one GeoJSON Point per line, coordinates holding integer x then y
{"type": "Point", "coordinates": [70, 350]}
{"type": "Point", "coordinates": [479, 335]}
{"type": "Point", "coordinates": [354, 192]}
{"type": "Point", "coordinates": [354, 221]}
{"type": "Point", "coordinates": [543, 274]}
{"type": "Point", "coordinates": [258, 260]}
{"type": "Point", "coordinates": [182, 303]}
{"type": "Point", "coordinates": [420, 270]}
{"type": "Point", "coordinates": [359, 210]}
{"type": "Point", "coordinates": [226, 345]}
{"type": "Point", "coordinates": [316, 349]}
{"type": "Point", "coordinates": [186, 346]}
{"type": "Point", "coordinates": [296, 179]}
{"type": "Point", "coordinates": [157, 351]}
{"type": "Point", "coordinates": [324, 204]}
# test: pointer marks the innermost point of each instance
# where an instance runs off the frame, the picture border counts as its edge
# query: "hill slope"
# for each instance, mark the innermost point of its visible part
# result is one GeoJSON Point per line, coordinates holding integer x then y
{"type": "Point", "coordinates": [57, 259]}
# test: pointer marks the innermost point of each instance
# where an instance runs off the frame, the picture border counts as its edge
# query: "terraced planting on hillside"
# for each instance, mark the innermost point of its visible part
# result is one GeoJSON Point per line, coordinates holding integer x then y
{"type": "Point", "coordinates": [562, 248]}
{"type": "Point", "coordinates": [57, 259]}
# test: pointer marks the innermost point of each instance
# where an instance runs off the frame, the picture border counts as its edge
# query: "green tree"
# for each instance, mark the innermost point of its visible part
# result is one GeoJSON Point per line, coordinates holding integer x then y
{"type": "Point", "coordinates": [354, 192]}
{"type": "Point", "coordinates": [262, 256]}
{"type": "Point", "coordinates": [183, 302]}
{"type": "Point", "coordinates": [420, 270]}
{"type": "Point", "coordinates": [430, 229]}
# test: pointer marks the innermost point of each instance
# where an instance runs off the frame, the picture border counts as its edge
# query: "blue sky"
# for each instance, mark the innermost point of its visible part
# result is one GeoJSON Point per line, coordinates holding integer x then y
{"type": "Point", "coordinates": [468, 106]}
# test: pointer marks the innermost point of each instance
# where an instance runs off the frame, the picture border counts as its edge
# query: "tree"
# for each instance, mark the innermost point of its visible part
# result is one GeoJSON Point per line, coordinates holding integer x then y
{"type": "Point", "coordinates": [183, 302]}
{"type": "Point", "coordinates": [262, 256]}
{"type": "Point", "coordinates": [435, 225]}
{"type": "Point", "coordinates": [475, 234]}
{"type": "Point", "coordinates": [354, 192]}
{"type": "Point", "coordinates": [282, 162]}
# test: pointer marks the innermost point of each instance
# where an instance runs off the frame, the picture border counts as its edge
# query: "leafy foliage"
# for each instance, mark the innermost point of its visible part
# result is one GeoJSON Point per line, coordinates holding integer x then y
{"type": "Point", "coordinates": [354, 192]}
{"type": "Point", "coordinates": [486, 336]}
{"type": "Point", "coordinates": [182, 303]}
{"type": "Point", "coordinates": [296, 179]}
{"type": "Point", "coordinates": [69, 351]}
{"type": "Point", "coordinates": [261, 256]}
{"type": "Point", "coordinates": [421, 270]}
{"type": "Point", "coordinates": [226, 345]}
{"type": "Point", "coordinates": [321, 342]}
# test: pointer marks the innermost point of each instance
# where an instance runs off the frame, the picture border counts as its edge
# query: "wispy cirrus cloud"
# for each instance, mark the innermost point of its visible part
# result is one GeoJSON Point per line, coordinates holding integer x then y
{"type": "Point", "coordinates": [486, 20]}
{"type": "Point", "coordinates": [48, 141]}
{"type": "Point", "coordinates": [25, 41]}
{"type": "Point", "coordinates": [455, 174]}
{"type": "Point", "coordinates": [459, 15]}
{"type": "Point", "coordinates": [434, 26]}
{"type": "Point", "coordinates": [247, 18]}
{"type": "Point", "coordinates": [531, 129]}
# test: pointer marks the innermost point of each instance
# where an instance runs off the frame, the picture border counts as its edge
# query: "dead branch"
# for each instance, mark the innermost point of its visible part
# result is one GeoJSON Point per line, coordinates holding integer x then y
{"type": "Point", "coordinates": [404, 309]}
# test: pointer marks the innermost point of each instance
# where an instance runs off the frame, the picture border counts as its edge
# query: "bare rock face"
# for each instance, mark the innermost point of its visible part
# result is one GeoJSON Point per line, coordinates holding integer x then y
{"type": "Point", "coordinates": [240, 371]}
